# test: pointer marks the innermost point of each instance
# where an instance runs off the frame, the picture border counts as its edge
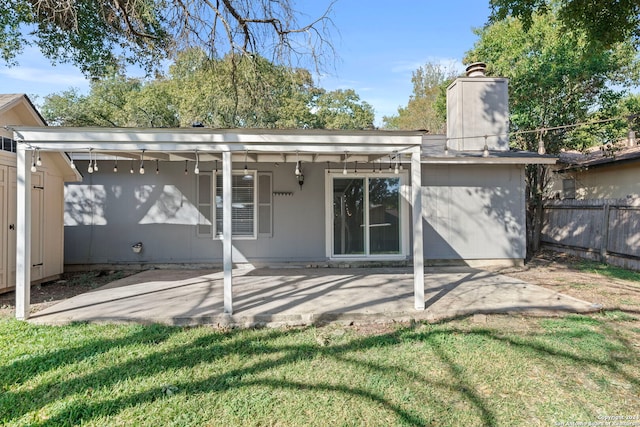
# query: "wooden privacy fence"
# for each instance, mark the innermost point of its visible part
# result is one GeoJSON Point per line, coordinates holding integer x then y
{"type": "Point", "coordinates": [606, 230]}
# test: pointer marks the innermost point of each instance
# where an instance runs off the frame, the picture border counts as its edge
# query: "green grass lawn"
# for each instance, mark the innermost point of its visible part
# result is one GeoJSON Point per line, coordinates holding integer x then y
{"type": "Point", "coordinates": [508, 371]}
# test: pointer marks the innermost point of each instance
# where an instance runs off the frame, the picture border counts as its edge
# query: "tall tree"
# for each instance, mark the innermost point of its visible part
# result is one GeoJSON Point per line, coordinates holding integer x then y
{"type": "Point", "coordinates": [556, 79]}
{"type": "Point", "coordinates": [342, 109]}
{"type": "Point", "coordinates": [250, 92]}
{"type": "Point", "coordinates": [96, 35]}
{"type": "Point", "coordinates": [426, 106]}
{"type": "Point", "coordinates": [605, 23]}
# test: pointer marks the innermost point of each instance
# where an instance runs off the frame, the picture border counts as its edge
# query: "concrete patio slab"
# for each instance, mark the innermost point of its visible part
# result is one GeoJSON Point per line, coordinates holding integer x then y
{"type": "Point", "coordinates": [269, 296]}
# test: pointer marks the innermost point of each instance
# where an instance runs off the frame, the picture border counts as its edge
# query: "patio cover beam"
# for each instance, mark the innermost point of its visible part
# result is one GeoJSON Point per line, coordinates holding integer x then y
{"type": "Point", "coordinates": [227, 244]}
{"type": "Point", "coordinates": [416, 216]}
{"type": "Point", "coordinates": [23, 234]}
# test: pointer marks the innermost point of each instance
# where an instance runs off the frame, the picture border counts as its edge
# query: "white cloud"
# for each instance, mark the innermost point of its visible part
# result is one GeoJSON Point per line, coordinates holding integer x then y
{"type": "Point", "coordinates": [45, 75]}
{"type": "Point", "coordinates": [402, 67]}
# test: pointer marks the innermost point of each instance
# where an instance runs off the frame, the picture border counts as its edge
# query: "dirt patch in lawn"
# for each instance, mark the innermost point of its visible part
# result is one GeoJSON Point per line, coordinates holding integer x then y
{"type": "Point", "coordinates": [612, 288]}
{"type": "Point", "coordinates": [70, 284]}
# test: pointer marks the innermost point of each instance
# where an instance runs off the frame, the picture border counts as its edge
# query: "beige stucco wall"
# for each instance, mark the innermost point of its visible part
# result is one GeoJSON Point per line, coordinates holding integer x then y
{"type": "Point", "coordinates": [604, 182]}
{"type": "Point", "coordinates": [47, 203]}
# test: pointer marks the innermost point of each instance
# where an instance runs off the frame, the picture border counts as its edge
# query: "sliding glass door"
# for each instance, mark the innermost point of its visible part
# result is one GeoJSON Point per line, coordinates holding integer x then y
{"type": "Point", "coordinates": [366, 216]}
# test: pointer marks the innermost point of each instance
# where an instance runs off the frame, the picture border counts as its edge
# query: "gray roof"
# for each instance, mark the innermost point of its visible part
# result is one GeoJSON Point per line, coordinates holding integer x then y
{"type": "Point", "coordinates": [612, 155]}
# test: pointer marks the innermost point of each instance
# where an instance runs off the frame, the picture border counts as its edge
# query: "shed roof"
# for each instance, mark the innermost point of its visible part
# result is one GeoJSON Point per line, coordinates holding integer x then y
{"type": "Point", "coordinates": [11, 100]}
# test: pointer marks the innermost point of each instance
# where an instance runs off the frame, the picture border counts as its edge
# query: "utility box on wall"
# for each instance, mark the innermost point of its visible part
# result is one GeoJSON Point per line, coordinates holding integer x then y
{"type": "Point", "coordinates": [478, 106]}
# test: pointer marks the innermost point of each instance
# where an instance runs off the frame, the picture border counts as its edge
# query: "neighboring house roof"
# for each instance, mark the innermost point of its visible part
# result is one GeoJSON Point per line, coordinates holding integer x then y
{"type": "Point", "coordinates": [598, 157]}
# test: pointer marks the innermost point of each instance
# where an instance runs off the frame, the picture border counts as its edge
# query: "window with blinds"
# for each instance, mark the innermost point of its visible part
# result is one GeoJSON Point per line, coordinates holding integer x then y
{"type": "Point", "coordinates": [251, 205]}
{"type": "Point", "coordinates": [243, 206]}
{"type": "Point", "coordinates": [205, 204]}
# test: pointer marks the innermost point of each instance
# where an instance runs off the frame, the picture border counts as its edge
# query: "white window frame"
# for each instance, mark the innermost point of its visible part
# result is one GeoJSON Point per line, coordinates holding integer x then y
{"type": "Point", "coordinates": [268, 204]}
{"type": "Point", "coordinates": [215, 233]}
{"type": "Point", "coordinates": [405, 192]}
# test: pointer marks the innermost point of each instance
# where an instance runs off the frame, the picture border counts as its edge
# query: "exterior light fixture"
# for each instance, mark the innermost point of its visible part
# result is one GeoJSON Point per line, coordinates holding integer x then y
{"type": "Point", "coordinates": [115, 165]}
{"type": "Point", "coordinates": [216, 167]}
{"type": "Point", "coordinates": [73, 165]}
{"type": "Point", "coordinates": [344, 169]}
{"type": "Point", "coordinates": [131, 168]}
{"type": "Point", "coordinates": [39, 161]}
{"type": "Point", "coordinates": [33, 162]}
{"type": "Point", "coordinates": [297, 172]}
{"type": "Point", "coordinates": [186, 163]}
{"type": "Point", "coordinates": [196, 170]}
{"type": "Point", "coordinates": [485, 150]}
{"type": "Point", "coordinates": [142, 163]}
{"type": "Point", "coordinates": [157, 166]}
{"type": "Point", "coordinates": [90, 168]}
{"type": "Point", "coordinates": [446, 147]}
{"type": "Point", "coordinates": [247, 176]}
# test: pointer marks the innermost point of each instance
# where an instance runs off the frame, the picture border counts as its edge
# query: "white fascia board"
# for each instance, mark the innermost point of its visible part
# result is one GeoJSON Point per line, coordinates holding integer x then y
{"type": "Point", "coordinates": [70, 139]}
{"type": "Point", "coordinates": [71, 174]}
{"type": "Point", "coordinates": [489, 161]}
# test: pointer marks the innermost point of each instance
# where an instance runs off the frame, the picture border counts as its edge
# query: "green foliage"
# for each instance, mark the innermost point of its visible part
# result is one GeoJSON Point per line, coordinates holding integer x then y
{"type": "Point", "coordinates": [99, 35]}
{"type": "Point", "coordinates": [555, 78]}
{"type": "Point", "coordinates": [605, 23]}
{"type": "Point", "coordinates": [426, 108]}
{"type": "Point", "coordinates": [237, 91]}
{"type": "Point", "coordinates": [342, 109]}
{"type": "Point", "coordinates": [95, 36]}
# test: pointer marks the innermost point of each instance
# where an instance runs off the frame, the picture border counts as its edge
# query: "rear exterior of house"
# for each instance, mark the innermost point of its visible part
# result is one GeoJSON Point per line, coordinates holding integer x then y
{"type": "Point", "coordinates": [350, 208]}
{"type": "Point", "coordinates": [307, 197]}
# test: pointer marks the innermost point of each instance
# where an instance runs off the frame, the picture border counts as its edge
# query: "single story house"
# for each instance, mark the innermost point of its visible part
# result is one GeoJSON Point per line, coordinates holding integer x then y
{"type": "Point", "coordinates": [607, 172]}
{"type": "Point", "coordinates": [594, 211]}
{"type": "Point", "coordinates": [225, 196]}
{"type": "Point", "coordinates": [47, 192]}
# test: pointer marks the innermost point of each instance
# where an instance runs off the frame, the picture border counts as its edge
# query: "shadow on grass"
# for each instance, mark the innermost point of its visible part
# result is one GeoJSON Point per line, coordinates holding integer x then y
{"type": "Point", "coordinates": [572, 340]}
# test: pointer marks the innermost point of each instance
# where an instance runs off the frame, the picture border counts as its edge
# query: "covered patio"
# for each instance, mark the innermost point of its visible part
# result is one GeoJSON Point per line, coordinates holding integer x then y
{"type": "Point", "coordinates": [307, 296]}
{"type": "Point", "coordinates": [196, 146]}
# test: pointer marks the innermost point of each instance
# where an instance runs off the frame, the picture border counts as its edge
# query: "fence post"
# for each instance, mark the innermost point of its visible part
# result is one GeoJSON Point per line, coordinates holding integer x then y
{"type": "Point", "coordinates": [604, 245]}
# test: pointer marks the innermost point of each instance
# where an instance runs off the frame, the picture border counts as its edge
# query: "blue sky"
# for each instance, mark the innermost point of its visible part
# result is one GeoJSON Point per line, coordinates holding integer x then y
{"type": "Point", "coordinates": [379, 44]}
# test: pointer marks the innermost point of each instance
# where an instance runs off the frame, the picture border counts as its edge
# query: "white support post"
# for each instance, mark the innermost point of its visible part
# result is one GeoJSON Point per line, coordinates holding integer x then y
{"type": "Point", "coordinates": [227, 246]}
{"type": "Point", "coordinates": [416, 214]}
{"type": "Point", "coordinates": [23, 234]}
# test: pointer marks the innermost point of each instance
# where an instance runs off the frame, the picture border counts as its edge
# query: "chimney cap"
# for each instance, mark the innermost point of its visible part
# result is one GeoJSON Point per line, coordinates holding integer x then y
{"type": "Point", "coordinates": [477, 69]}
